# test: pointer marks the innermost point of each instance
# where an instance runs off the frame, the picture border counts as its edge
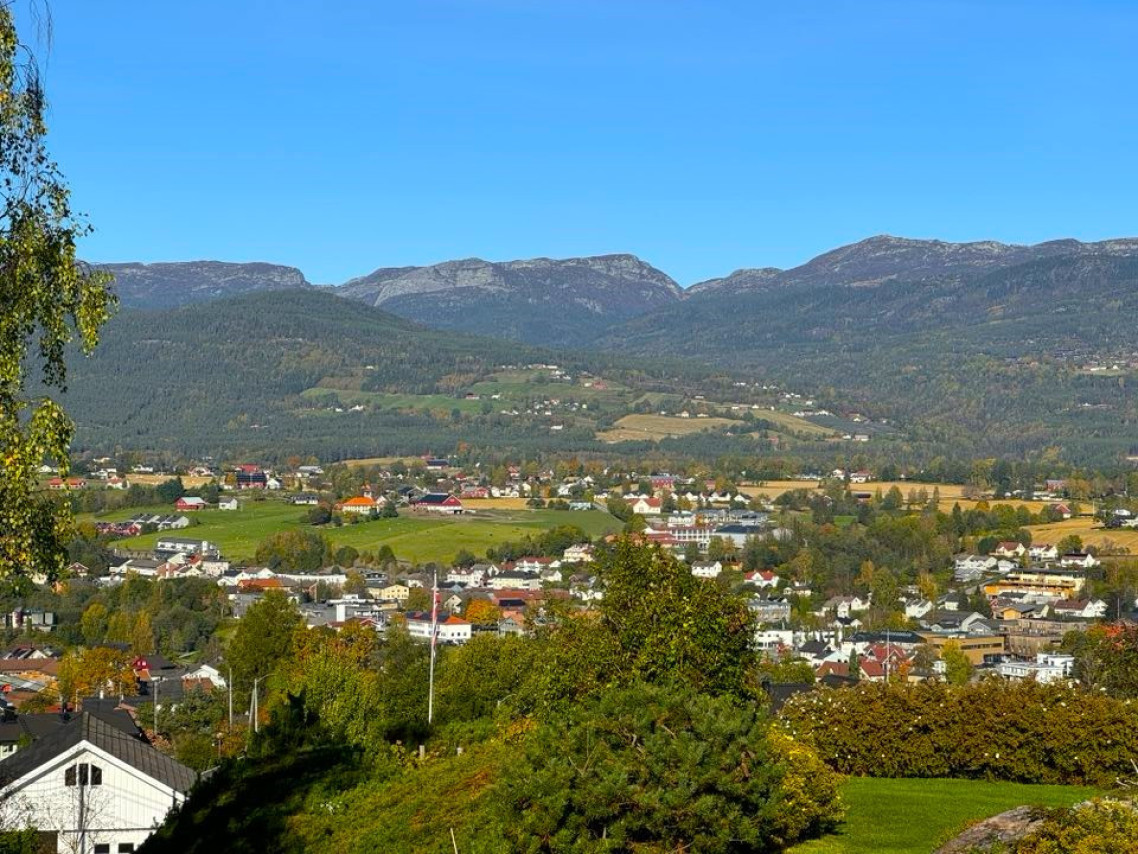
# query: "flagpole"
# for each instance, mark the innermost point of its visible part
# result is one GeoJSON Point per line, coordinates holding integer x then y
{"type": "Point", "coordinates": [434, 635]}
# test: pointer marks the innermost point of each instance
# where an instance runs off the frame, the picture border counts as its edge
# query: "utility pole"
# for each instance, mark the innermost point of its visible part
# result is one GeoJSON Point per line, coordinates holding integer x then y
{"type": "Point", "coordinates": [155, 682]}
{"type": "Point", "coordinates": [434, 635]}
{"type": "Point", "coordinates": [230, 698]}
{"type": "Point", "coordinates": [254, 707]}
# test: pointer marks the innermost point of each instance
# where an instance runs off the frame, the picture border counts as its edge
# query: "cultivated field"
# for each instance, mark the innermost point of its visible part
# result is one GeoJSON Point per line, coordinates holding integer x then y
{"type": "Point", "coordinates": [950, 493]}
{"type": "Point", "coordinates": [1091, 531]}
{"type": "Point", "coordinates": [632, 428]}
{"type": "Point", "coordinates": [413, 537]}
{"type": "Point", "coordinates": [189, 481]}
{"type": "Point", "coordinates": [792, 423]}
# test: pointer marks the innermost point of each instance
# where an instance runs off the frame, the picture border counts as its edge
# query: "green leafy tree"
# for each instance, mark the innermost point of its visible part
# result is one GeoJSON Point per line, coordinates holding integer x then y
{"type": "Point", "coordinates": [170, 490]}
{"type": "Point", "coordinates": [263, 639]}
{"type": "Point", "coordinates": [94, 623]}
{"type": "Point", "coordinates": [656, 623]}
{"type": "Point", "coordinates": [295, 551]}
{"type": "Point", "coordinates": [48, 299]}
{"type": "Point", "coordinates": [418, 599]}
{"type": "Point", "coordinates": [957, 666]}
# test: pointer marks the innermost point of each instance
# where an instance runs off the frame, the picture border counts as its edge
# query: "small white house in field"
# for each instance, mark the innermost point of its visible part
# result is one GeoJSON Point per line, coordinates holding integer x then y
{"type": "Point", "coordinates": [228, 504]}
{"type": "Point", "coordinates": [92, 787]}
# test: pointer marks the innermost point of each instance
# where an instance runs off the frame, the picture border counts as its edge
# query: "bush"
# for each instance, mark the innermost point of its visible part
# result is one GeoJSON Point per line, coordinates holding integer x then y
{"type": "Point", "coordinates": [648, 768]}
{"type": "Point", "coordinates": [1098, 827]}
{"type": "Point", "coordinates": [1023, 732]}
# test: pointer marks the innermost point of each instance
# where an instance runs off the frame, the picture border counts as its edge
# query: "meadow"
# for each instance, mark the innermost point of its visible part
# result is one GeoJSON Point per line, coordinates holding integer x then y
{"type": "Point", "coordinates": [656, 427]}
{"type": "Point", "coordinates": [950, 493]}
{"type": "Point", "coordinates": [1090, 530]}
{"type": "Point", "coordinates": [413, 537]}
{"type": "Point", "coordinates": [887, 816]}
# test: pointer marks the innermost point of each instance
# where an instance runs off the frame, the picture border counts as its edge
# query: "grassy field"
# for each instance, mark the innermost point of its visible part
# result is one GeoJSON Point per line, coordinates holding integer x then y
{"type": "Point", "coordinates": [633, 428]}
{"type": "Point", "coordinates": [792, 423]}
{"type": "Point", "coordinates": [412, 537]}
{"type": "Point", "coordinates": [915, 816]}
{"type": "Point", "coordinates": [189, 481]}
{"type": "Point", "coordinates": [950, 493]}
{"type": "Point", "coordinates": [1091, 531]}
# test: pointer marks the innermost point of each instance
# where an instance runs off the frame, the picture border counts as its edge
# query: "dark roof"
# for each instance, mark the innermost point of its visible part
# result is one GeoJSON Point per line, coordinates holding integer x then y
{"type": "Point", "coordinates": [92, 729]}
{"type": "Point", "coordinates": [902, 637]}
{"type": "Point", "coordinates": [780, 692]}
{"type": "Point", "coordinates": [40, 725]}
{"type": "Point", "coordinates": [436, 498]}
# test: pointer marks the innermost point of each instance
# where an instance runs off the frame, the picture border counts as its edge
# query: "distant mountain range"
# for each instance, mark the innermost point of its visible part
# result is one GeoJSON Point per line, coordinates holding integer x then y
{"type": "Point", "coordinates": [181, 283]}
{"type": "Point", "coordinates": [984, 341]}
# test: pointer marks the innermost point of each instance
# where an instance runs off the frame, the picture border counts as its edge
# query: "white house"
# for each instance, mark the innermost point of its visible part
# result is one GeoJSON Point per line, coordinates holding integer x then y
{"type": "Point", "coordinates": [227, 504]}
{"type": "Point", "coordinates": [706, 569]}
{"type": "Point", "coordinates": [1043, 552]}
{"type": "Point", "coordinates": [451, 629]}
{"type": "Point", "coordinates": [473, 576]}
{"type": "Point", "coordinates": [1045, 668]}
{"type": "Point", "coordinates": [1083, 559]}
{"type": "Point", "coordinates": [578, 554]}
{"type": "Point", "coordinates": [971, 567]}
{"type": "Point", "coordinates": [91, 786]}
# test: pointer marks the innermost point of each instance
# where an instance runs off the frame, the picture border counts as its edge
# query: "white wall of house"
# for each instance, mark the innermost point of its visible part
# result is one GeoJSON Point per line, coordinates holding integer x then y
{"type": "Point", "coordinates": [125, 808]}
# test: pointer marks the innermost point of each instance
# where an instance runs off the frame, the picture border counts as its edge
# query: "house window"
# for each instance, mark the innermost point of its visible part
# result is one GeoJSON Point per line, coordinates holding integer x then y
{"type": "Point", "coordinates": [84, 774]}
{"type": "Point", "coordinates": [103, 848]}
{"type": "Point", "coordinates": [126, 848]}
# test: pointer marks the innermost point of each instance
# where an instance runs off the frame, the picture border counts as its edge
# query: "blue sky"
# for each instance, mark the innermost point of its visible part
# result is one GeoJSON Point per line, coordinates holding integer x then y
{"type": "Point", "coordinates": [703, 136]}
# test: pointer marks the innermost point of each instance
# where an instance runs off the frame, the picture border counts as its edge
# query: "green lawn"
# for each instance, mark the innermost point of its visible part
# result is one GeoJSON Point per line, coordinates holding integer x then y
{"type": "Point", "coordinates": [915, 816]}
{"type": "Point", "coordinates": [413, 537]}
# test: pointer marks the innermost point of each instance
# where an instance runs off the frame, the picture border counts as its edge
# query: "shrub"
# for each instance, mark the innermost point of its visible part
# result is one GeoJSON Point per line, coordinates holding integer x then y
{"type": "Point", "coordinates": [1097, 827]}
{"type": "Point", "coordinates": [1022, 732]}
{"type": "Point", "coordinates": [648, 768]}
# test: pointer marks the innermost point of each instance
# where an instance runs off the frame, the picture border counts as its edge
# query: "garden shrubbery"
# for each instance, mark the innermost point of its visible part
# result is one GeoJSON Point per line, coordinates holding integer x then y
{"type": "Point", "coordinates": [1023, 732]}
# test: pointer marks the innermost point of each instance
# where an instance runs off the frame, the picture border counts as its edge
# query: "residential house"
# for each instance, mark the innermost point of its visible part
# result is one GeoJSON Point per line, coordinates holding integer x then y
{"type": "Point", "coordinates": [305, 499]}
{"type": "Point", "coordinates": [251, 477]}
{"type": "Point", "coordinates": [578, 554]}
{"type": "Point", "coordinates": [647, 506]}
{"type": "Point", "coordinates": [396, 591]}
{"type": "Point", "coordinates": [190, 503]}
{"type": "Point", "coordinates": [1047, 667]}
{"type": "Point", "coordinates": [843, 607]}
{"type": "Point", "coordinates": [706, 569]}
{"type": "Point", "coordinates": [185, 545]}
{"type": "Point", "coordinates": [769, 610]}
{"type": "Point", "coordinates": [1080, 609]}
{"type": "Point", "coordinates": [360, 505]}
{"type": "Point", "coordinates": [450, 628]}
{"type": "Point", "coordinates": [514, 580]}
{"type": "Point", "coordinates": [763, 579]}
{"type": "Point", "coordinates": [1043, 552]}
{"type": "Point", "coordinates": [1010, 549]}
{"type": "Point", "coordinates": [968, 568]}
{"type": "Point", "coordinates": [1079, 559]}
{"type": "Point", "coordinates": [228, 504]}
{"type": "Point", "coordinates": [89, 786]}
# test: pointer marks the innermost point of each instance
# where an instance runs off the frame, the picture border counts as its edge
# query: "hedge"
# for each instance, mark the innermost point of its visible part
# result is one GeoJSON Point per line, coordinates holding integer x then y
{"type": "Point", "coordinates": [993, 730]}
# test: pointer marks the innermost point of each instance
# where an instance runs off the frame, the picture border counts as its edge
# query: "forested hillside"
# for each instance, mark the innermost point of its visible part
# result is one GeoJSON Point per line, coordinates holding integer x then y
{"type": "Point", "coordinates": [997, 361]}
{"type": "Point", "coordinates": [305, 372]}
